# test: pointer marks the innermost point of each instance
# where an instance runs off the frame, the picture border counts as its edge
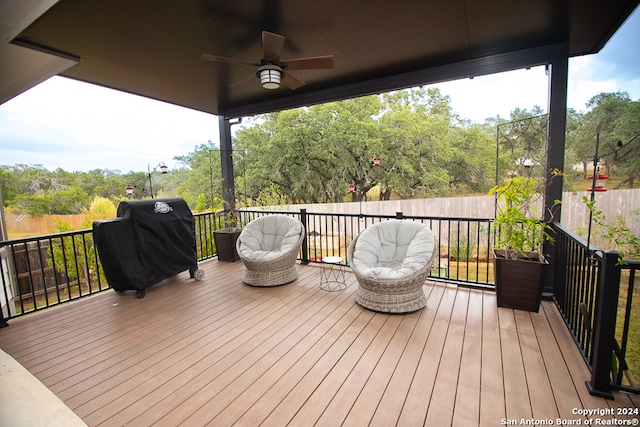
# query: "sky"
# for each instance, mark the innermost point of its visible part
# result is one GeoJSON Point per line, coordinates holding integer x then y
{"type": "Point", "coordinates": [62, 123]}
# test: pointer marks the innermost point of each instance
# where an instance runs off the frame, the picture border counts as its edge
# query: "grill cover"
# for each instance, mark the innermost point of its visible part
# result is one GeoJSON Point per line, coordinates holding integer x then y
{"type": "Point", "coordinates": [149, 241]}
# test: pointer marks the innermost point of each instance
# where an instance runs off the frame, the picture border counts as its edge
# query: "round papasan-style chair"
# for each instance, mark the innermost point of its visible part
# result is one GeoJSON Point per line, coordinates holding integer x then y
{"type": "Point", "coordinates": [268, 246]}
{"type": "Point", "coordinates": [391, 261]}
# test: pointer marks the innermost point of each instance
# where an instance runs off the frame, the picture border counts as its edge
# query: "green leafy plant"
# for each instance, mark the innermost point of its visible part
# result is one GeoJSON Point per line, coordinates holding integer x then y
{"type": "Point", "coordinates": [616, 234]}
{"type": "Point", "coordinates": [229, 218]}
{"type": "Point", "coordinates": [520, 228]}
{"type": "Point", "coordinates": [461, 249]}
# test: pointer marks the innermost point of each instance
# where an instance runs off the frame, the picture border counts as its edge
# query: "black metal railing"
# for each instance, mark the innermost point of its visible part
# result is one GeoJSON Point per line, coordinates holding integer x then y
{"type": "Point", "coordinates": [575, 275]}
{"type": "Point", "coordinates": [463, 254]}
{"type": "Point", "coordinates": [48, 270]}
{"type": "Point", "coordinates": [627, 325]}
{"type": "Point", "coordinates": [44, 271]}
{"type": "Point", "coordinates": [206, 223]}
{"type": "Point", "coordinates": [594, 292]}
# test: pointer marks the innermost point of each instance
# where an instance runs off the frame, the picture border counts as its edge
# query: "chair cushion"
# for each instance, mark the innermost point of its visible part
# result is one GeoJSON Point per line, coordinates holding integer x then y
{"type": "Point", "coordinates": [393, 250]}
{"type": "Point", "coordinates": [269, 237]}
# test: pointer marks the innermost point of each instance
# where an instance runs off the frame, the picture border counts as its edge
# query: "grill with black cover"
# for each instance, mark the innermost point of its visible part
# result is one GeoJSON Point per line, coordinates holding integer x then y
{"type": "Point", "coordinates": [149, 241]}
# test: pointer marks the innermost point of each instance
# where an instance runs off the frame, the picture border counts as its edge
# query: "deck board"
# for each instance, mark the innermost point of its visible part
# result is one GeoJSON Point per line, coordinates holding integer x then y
{"type": "Point", "coordinates": [492, 404]}
{"type": "Point", "coordinates": [442, 401]}
{"type": "Point", "coordinates": [377, 384]}
{"type": "Point", "coordinates": [219, 352]}
{"type": "Point", "coordinates": [414, 411]}
{"type": "Point", "coordinates": [516, 392]}
{"type": "Point", "coordinates": [392, 402]}
{"type": "Point", "coordinates": [467, 399]}
{"type": "Point", "coordinates": [565, 393]}
{"type": "Point", "coordinates": [538, 385]}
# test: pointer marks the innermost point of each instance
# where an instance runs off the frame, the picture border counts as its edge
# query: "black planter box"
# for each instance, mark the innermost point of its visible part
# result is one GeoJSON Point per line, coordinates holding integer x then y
{"type": "Point", "coordinates": [225, 240]}
{"type": "Point", "coordinates": [519, 282]}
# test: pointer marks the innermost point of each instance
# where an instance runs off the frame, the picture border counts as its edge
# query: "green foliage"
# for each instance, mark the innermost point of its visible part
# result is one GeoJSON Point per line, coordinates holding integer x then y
{"type": "Point", "coordinates": [618, 118]}
{"type": "Point", "coordinates": [52, 202]}
{"type": "Point", "coordinates": [201, 204]}
{"type": "Point", "coordinates": [102, 208]}
{"type": "Point", "coordinates": [36, 191]}
{"type": "Point", "coordinates": [65, 248]}
{"type": "Point", "coordinates": [269, 196]}
{"type": "Point", "coordinates": [199, 182]}
{"type": "Point", "coordinates": [462, 248]}
{"type": "Point", "coordinates": [311, 154]}
{"type": "Point", "coordinates": [522, 146]}
{"type": "Point", "coordinates": [417, 134]}
{"type": "Point", "coordinates": [615, 234]}
{"type": "Point", "coordinates": [80, 249]}
{"type": "Point", "coordinates": [520, 227]}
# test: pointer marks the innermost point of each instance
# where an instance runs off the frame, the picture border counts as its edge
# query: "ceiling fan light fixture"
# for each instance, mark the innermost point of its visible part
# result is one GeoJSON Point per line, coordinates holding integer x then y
{"type": "Point", "coordinates": [270, 76]}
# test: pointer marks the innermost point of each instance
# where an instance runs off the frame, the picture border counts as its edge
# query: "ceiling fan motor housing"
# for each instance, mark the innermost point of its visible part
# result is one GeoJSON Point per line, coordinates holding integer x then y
{"type": "Point", "coordinates": [270, 75]}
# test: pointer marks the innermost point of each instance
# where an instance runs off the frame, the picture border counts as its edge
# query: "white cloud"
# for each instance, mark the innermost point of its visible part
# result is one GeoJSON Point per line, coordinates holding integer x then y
{"type": "Point", "coordinates": [589, 76]}
{"type": "Point", "coordinates": [497, 94]}
{"type": "Point", "coordinates": [66, 123]}
{"type": "Point", "coordinates": [77, 126]}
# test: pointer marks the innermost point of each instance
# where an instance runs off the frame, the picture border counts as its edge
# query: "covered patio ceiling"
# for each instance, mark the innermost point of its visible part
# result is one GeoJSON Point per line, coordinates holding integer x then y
{"type": "Point", "coordinates": [154, 48]}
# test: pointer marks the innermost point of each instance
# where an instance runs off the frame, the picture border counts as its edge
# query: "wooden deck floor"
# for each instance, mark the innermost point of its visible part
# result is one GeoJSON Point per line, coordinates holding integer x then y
{"type": "Point", "coordinates": [220, 353]}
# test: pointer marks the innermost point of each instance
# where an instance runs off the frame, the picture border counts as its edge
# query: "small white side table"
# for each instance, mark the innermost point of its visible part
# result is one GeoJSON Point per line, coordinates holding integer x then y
{"type": "Point", "coordinates": [332, 277]}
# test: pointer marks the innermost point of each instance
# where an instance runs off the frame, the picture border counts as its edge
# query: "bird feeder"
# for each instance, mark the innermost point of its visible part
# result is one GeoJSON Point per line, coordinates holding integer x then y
{"type": "Point", "coordinates": [601, 180]}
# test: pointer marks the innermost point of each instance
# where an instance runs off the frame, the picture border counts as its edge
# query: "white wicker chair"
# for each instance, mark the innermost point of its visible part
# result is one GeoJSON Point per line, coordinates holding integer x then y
{"type": "Point", "coordinates": [268, 246]}
{"type": "Point", "coordinates": [391, 261]}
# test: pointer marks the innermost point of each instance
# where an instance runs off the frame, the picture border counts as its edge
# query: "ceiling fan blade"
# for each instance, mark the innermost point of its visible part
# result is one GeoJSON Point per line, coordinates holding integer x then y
{"type": "Point", "coordinates": [224, 59]}
{"type": "Point", "coordinates": [291, 81]}
{"type": "Point", "coordinates": [244, 80]}
{"type": "Point", "coordinates": [272, 45]}
{"type": "Point", "coordinates": [312, 63]}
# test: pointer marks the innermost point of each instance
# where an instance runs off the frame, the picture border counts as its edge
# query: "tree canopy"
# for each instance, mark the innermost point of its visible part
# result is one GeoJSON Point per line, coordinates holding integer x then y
{"type": "Point", "coordinates": [617, 118]}
{"type": "Point", "coordinates": [315, 154]}
{"type": "Point", "coordinates": [312, 154]}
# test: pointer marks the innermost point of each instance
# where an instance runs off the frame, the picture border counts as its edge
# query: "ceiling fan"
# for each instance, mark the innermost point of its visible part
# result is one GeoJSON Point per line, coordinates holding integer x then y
{"type": "Point", "coordinates": [271, 70]}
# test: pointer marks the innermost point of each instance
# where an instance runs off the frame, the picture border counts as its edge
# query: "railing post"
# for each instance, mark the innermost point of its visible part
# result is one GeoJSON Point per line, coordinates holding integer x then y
{"type": "Point", "coordinates": [5, 294]}
{"type": "Point", "coordinates": [305, 242]}
{"type": "Point", "coordinates": [550, 250]}
{"type": "Point", "coordinates": [559, 267]}
{"type": "Point", "coordinates": [605, 326]}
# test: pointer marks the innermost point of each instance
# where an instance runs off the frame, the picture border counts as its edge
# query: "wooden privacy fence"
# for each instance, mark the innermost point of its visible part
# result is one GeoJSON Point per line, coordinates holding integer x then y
{"type": "Point", "coordinates": [32, 272]}
{"type": "Point", "coordinates": [575, 215]}
{"type": "Point", "coordinates": [40, 225]}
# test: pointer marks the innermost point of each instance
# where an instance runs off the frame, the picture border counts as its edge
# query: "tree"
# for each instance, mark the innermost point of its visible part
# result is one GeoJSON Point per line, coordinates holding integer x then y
{"type": "Point", "coordinates": [81, 248]}
{"type": "Point", "coordinates": [63, 202]}
{"type": "Point", "coordinates": [199, 182]}
{"type": "Point", "coordinates": [310, 154]}
{"type": "Point", "coordinates": [417, 132]}
{"type": "Point", "coordinates": [472, 166]}
{"type": "Point", "coordinates": [522, 146]}
{"type": "Point", "coordinates": [618, 119]}
{"type": "Point", "coordinates": [351, 140]}
{"type": "Point", "coordinates": [100, 208]}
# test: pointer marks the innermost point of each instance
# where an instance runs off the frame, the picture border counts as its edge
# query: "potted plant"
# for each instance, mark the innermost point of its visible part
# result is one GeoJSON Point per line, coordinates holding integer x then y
{"type": "Point", "coordinates": [226, 238]}
{"type": "Point", "coordinates": [519, 265]}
